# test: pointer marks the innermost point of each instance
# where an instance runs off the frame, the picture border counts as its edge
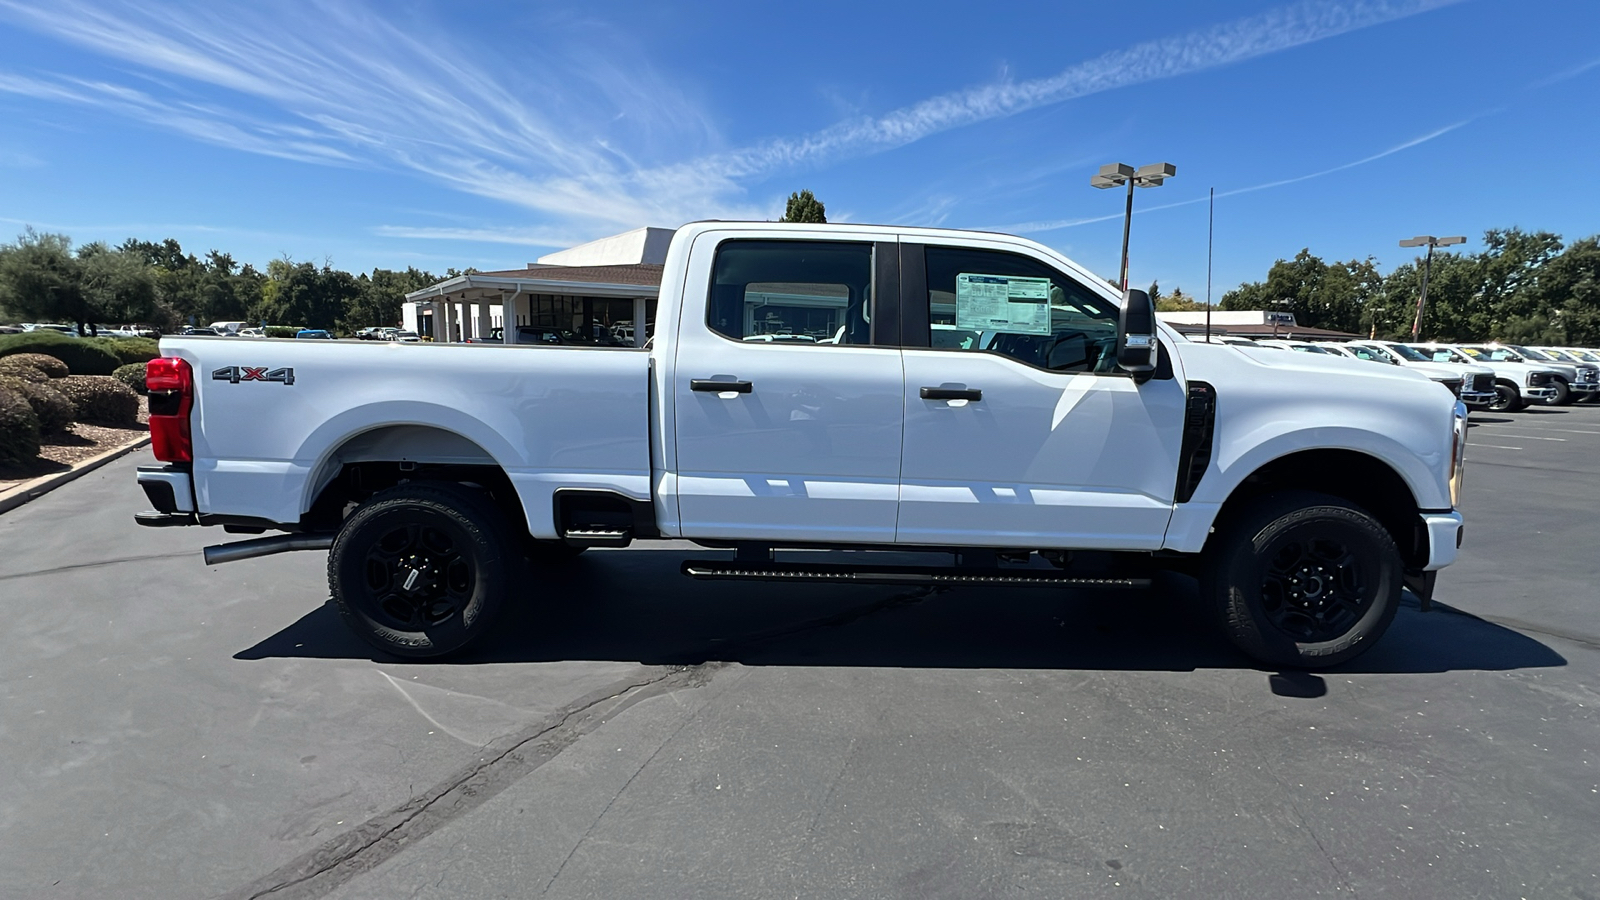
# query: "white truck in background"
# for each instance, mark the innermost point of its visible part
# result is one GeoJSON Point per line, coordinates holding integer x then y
{"type": "Point", "coordinates": [1516, 383]}
{"type": "Point", "coordinates": [969, 395]}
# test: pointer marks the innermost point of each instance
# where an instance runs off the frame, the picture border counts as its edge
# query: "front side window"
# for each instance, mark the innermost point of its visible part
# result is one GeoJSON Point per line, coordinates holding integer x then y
{"type": "Point", "coordinates": [991, 301]}
{"type": "Point", "coordinates": [795, 293]}
{"type": "Point", "coordinates": [1370, 354]}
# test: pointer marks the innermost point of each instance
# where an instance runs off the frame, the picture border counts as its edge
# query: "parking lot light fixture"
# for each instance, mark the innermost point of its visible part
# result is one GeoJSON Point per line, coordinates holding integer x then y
{"type": "Point", "coordinates": [1118, 174]}
{"type": "Point", "coordinates": [1429, 241]}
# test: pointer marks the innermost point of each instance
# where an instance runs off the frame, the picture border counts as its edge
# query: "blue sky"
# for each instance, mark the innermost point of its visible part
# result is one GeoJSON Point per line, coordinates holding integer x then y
{"type": "Point", "coordinates": [489, 133]}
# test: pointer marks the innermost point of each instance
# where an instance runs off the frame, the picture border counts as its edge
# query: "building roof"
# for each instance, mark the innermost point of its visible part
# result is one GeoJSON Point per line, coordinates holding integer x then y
{"type": "Point", "coordinates": [1287, 332]}
{"type": "Point", "coordinates": [636, 273]}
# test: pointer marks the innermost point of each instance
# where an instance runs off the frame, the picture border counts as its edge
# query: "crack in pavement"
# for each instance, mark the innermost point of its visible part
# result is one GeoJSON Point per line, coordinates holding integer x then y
{"type": "Point", "coordinates": [97, 564]}
{"type": "Point", "coordinates": [381, 837]}
{"type": "Point", "coordinates": [360, 849]}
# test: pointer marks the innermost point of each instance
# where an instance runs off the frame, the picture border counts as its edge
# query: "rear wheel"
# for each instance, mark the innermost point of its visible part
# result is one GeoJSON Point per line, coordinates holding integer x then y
{"type": "Point", "coordinates": [1303, 580]}
{"type": "Point", "coordinates": [1506, 398]}
{"type": "Point", "coordinates": [421, 569]}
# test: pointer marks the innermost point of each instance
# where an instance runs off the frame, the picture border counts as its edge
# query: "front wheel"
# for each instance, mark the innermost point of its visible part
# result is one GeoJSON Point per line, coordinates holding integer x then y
{"type": "Point", "coordinates": [1303, 580]}
{"type": "Point", "coordinates": [1506, 398]}
{"type": "Point", "coordinates": [421, 569]}
{"type": "Point", "coordinates": [1563, 395]}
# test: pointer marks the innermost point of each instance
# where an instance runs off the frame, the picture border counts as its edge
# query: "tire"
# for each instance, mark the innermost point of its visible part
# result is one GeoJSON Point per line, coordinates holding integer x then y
{"type": "Point", "coordinates": [1507, 398]}
{"type": "Point", "coordinates": [1563, 395]}
{"type": "Point", "coordinates": [421, 569]}
{"type": "Point", "coordinates": [1303, 580]}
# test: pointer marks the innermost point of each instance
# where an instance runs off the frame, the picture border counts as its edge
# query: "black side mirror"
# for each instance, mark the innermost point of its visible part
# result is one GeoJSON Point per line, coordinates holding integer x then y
{"type": "Point", "coordinates": [1136, 336]}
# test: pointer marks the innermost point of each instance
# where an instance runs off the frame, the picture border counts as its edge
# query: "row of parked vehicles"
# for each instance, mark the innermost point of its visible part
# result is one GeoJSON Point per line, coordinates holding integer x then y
{"type": "Point", "coordinates": [1496, 377]}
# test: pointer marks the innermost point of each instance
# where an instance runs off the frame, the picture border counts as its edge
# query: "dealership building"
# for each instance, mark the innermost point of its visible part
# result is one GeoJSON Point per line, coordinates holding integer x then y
{"type": "Point", "coordinates": [600, 291]}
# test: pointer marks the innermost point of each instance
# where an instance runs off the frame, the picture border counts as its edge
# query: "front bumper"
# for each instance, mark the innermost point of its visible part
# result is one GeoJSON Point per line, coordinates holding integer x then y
{"type": "Point", "coordinates": [1476, 398]}
{"type": "Point", "coordinates": [1444, 538]}
{"type": "Point", "coordinates": [1539, 393]}
{"type": "Point", "coordinates": [1584, 387]}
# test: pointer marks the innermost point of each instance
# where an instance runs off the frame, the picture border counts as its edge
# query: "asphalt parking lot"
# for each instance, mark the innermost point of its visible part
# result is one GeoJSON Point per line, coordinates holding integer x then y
{"type": "Point", "coordinates": [172, 730]}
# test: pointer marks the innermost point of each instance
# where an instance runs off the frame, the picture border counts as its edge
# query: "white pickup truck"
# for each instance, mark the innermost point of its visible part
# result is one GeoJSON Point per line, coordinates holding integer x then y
{"type": "Point", "coordinates": [974, 396]}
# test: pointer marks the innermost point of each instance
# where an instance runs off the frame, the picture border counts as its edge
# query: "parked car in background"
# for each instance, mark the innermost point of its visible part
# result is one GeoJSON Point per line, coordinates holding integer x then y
{"type": "Point", "coordinates": [1516, 384]}
{"type": "Point", "coordinates": [374, 332]}
{"type": "Point", "coordinates": [67, 330]}
{"type": "Point", "coordinates": [1573, 380]}
{"type": "Point", "coordinates": [253, 332]}
{"type": "Point", "coordinates": [1474, 384]}
{"type": "Point", "coordinates": [402, 337]}
{"type": "Point", "coordinates": [1296, 346]}
{"type": "Point", "coordinates": [228, 329]}
{"type": "Point", "coordinates": [315, 334]}
{"type": "Point", "coordinates": [1573, 357]}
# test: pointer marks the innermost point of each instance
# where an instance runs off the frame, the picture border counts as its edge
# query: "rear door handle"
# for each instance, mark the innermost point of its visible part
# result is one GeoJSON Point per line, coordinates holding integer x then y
{"type": "Point", "coordinates": [942, 393]}
{"type": "Point", "coordinates": [717, 387]}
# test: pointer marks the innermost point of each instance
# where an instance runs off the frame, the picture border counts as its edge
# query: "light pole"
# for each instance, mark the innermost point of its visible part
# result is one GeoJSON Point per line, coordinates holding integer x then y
{"type": "Point", "coordinates": [1430, 242]}
{"type": "Point", "coordinates": [1118, 174]}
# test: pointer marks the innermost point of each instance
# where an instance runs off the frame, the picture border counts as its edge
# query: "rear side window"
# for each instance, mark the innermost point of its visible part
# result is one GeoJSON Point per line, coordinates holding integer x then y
{"type": "Point", "coordinates": [989, 301]}
{"type": "Point", "coordinates": [796, 293]}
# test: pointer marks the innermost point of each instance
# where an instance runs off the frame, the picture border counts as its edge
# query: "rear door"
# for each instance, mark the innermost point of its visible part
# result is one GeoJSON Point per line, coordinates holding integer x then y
{"type": "Point", "coordinates": [788, 413]}
{"type": "Point", "coordinates": [1020, 430]}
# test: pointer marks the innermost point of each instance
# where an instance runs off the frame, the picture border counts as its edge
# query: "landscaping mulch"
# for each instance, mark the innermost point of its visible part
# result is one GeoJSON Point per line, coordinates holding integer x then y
{"type": "Point", "coordinates": [60, 452]}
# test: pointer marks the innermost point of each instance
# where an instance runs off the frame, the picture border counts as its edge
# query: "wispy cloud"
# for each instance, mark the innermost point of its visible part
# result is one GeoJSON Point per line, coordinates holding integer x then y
{"type": "Point", "coordinates": [526, 237]}
{"type": "Point", "coordinates": [1056, 224]}
{"type": "Point", "coordinates": [606, 142]}
{"type": "Point", "coordinates": [1566, 74]}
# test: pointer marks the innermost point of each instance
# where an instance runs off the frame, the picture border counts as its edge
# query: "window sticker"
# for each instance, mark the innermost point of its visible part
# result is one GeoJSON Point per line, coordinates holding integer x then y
{"type": "Point", "coordinates": [1003, 303]}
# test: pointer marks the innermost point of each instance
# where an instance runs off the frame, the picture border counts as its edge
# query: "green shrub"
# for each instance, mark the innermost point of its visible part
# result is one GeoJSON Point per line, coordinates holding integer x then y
{"type": "Point", "coordinates": [19, 430]}
{"type": "Point", "coordinates": [82, 356]}
{"type": "Point", "coordinates": [129, 350]}
{"type": "Point", "coordinates": [54, 411]}
{"type": "Point", "coordinates": [24, 372]}
{"type": "Point", "coordinates": [101, 400]}
{"type": "Point", "coordinates": [283, 331]}
{"type": "Point", "coordinates": [49, 365]}
{"type": "Point", "coordinates": [131, 375]}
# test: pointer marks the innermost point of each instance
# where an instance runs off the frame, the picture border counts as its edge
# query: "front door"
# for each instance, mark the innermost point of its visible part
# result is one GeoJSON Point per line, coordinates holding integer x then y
{"type": "Point", "coordinates": [1020, 431]}
{"type": "Point", "coordinates": [788, 416]}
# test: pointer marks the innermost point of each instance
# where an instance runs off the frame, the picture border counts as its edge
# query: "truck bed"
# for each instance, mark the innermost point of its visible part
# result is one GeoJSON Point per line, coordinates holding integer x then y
{"type": "Point", "coordinates": [276, 419]}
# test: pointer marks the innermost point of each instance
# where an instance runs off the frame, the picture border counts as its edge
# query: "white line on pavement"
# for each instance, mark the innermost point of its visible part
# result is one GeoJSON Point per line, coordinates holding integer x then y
{"type": "Point", "coordinates": [1529, 437]}
{"type": "Point", "coordinates": [1471, 444]}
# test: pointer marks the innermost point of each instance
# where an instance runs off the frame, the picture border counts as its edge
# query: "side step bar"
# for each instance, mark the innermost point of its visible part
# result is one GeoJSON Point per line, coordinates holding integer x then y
{"type": "Point", "coordinates": [217, 554]}
{"type": "Point", "coordinates": [598, 537]}
{"type": "Point", "coordinates": [726, 570]}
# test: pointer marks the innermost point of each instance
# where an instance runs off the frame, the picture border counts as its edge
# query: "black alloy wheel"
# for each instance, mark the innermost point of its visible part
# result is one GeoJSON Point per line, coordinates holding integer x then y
{"type": "Point", "coordinates": [1563, 395]}
{"type": "Point", "coordinates": [421, 569]}
{"type": "Point", "coordinates": [1506, 398]}
{"type": "Point", "coordinates": [1303, 579]}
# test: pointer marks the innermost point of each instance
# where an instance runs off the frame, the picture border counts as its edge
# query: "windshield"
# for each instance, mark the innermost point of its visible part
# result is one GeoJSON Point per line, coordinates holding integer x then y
{"type": "Point", "coordinates": [1557, 354]}
{"type": "Point", "coordinates": [1371, 354]}
{"type": "Point", "coordinates": [1530, 353]}
{"type": "Point", "coordinates": [1586, 355]}
{"type": "Point", "coordinates": [1307, 348]}
{"type": "Point", "coordinates": [1411, 353]}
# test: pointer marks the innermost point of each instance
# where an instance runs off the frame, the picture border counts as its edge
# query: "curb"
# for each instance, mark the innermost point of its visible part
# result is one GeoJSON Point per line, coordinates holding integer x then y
{"type": "Point", "coordinates": [44, 484]}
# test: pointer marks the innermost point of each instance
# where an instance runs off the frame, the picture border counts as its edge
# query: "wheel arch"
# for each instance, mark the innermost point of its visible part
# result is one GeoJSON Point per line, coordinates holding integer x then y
{"type": "Point", "coordinates": [1353, 475]}
{"type": "Point", "coordinates": [364, 453]}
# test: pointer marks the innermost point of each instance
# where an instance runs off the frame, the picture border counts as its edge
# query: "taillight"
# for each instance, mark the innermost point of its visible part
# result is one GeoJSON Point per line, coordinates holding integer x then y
{"type": "Point", "coordinates": [171, 385]}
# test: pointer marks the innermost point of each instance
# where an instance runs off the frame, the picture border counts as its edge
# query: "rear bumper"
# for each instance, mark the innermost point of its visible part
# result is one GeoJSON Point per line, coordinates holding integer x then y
{"type": "Point", "coordinates": [170, 489]}
{"type": "Point", "coordinates": [1444, 538]}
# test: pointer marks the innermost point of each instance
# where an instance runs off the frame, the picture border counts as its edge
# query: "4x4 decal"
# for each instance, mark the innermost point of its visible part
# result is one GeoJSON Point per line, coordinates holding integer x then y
{"type": "Point", "coordinates": [236, 374]}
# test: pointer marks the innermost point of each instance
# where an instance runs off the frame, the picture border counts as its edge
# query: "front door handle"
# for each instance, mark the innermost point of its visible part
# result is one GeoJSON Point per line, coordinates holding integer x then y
{"type": "Point", "coordinates": [943, 393]}
{"type": "Point", "coordinates": [717, 387]}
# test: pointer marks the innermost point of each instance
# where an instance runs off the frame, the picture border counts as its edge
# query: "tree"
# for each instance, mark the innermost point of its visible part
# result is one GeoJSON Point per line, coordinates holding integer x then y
{"type": "Point", "coordinates": [1319, 294]}
{"type": "Point", "coordinates": [1177, 301]}
{"type": "Point", "coordinates": [804, 207]}
{"type": "Point", "coordinates": [303, 294]}
{"type": "Point", "coordinates": [117, 286]}
{"type": "Point", "coordinates": [382, 294]}
{"type": "Point", "coordinates": [40, 279]}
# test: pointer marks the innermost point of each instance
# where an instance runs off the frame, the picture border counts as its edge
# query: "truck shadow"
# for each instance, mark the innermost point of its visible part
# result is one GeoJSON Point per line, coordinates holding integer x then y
{"type": "Point", "coordinates": [634, 606]}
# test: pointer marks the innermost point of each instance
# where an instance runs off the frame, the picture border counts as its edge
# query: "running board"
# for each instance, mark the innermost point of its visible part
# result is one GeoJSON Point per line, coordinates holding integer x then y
{"type": "Point", "coordinates": [723, 570]}
{"type": "Point", "coordinates": [598, 537]}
